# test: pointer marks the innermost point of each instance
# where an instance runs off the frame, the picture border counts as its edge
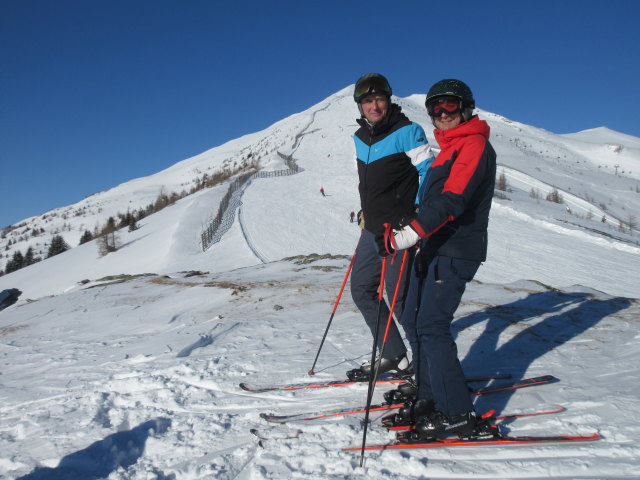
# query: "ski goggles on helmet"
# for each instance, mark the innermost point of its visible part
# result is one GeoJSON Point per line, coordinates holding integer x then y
{"type": "Point", "coordinates": [371, 85]}
{"type": "Point", "coordinates": [439, 105]}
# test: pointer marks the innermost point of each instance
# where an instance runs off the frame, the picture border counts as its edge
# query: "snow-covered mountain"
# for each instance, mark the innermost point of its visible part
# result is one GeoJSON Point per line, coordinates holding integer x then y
{"type": "Point", "coordinates": [596, 172]}
{"type": "Point", "coordinates": [126, 366]}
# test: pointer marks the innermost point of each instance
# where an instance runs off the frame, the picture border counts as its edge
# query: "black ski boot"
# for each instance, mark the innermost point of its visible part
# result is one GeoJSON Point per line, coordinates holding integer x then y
{"type": "Point", "coordinates": [438, 425]}
{"type": "Point", "coordinates": [399, 366]}
{"type": "Point", "coordinates": [485, 429]}
{"type": "Point", "coordinates": [409, 413]}
{"type": "Point", "coordinates": [405, 392]}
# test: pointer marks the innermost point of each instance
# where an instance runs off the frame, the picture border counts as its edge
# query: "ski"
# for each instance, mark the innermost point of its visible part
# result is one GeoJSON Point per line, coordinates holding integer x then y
{"type": "Point", "coordinates": [268, 433]}
{"type": "Point", "coordinates": [262, 435]}
{"type": "Point", "coordinates": [493, 417]}
{"type": "Point", "coordinates": [334, 413]}
{"type": "Point", "coordinates": [506, 416]}
{"type": "Point", "coordinates": [247, 387]}
{"type": "Point", "coordinates": [527, 382]}
{"type": "Point", "coordinates": [298, 386]}
{"type": "Point", "coordinates": [500, 440]}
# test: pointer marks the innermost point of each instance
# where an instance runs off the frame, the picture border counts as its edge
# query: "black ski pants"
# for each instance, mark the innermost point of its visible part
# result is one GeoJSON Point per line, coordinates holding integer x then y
{"type": "Point", "coordinates": [435, 290]}
{"type": "Point", "coordinates": [365, 281]}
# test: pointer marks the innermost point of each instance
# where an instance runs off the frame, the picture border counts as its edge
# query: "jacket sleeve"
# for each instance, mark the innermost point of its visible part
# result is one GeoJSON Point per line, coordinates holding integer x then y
{"type": "Point", "coordinates": [420, 153]}
{"type": "Point", "coordinates": [464, 176]}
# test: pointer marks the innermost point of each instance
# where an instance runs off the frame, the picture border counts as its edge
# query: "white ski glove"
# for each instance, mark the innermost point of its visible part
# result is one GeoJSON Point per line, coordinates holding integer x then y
{"type": "Point", "coordinates": [405, 238]}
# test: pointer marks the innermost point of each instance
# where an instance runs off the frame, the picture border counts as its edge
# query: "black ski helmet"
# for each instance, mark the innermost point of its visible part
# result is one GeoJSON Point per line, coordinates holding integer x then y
{"type": "Point", "coordinates": [371, 83]}
{"type": "Point", "coordinates": [453, 88]}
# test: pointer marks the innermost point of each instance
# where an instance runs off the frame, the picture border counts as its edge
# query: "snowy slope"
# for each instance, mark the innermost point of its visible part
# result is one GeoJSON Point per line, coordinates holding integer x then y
{"type": "Point", "coordinates": [135, 377]}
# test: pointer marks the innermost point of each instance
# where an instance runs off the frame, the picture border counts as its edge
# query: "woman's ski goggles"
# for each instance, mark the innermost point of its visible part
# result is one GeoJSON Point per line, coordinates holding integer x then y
{"type": "Point", "coordinates": [371, 85]}
{"type": "Point", "coordinates": [439, 105]}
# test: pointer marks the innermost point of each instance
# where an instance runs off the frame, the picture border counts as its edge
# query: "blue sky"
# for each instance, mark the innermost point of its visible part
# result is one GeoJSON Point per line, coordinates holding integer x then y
{"type": "Point", "coordinates": [94, 92]}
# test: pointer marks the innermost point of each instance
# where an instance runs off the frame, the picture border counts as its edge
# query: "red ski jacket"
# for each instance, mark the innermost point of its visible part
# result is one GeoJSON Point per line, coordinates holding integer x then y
{"type": "Point", "coordinates": [455, 197]}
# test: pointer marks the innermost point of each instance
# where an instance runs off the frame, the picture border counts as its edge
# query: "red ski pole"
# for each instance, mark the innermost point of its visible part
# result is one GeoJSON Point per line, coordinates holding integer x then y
{"type": "Point", "coordinates": [393, 305]}
{"type": "Point", "coordinates": [335, 307]}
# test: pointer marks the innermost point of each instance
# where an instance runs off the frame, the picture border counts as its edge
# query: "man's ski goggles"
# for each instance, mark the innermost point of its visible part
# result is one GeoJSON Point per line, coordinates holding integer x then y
{"type": "Point", "coordinates": [439, 105]}
{"type": "Point", "coordinates": [371, 85]}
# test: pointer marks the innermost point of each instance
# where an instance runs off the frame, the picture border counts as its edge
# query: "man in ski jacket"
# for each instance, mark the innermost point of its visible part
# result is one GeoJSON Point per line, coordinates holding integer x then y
{"type": "Point", "coordinates": [451, 230]}
{"type": "Point", "coordinates": [392, 156]}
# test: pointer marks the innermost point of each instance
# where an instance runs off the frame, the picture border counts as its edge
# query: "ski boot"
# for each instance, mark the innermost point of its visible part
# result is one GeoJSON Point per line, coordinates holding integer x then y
{"type": "Point", "coordinates": [409, 413]}
{"type": "Point", "coordinates": [398, 366]}
{"type": "Point", "coordinates": [404, 393]}
{"type": "Point", "coordinates": [437, 425]}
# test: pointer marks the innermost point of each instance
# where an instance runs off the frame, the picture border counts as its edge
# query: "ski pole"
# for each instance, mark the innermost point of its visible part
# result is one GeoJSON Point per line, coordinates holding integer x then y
{"type": "Point", "coordinates": [393, 305]}
{"type": "Point", "coordinates": [373, 356]}
{"type": "Point", "coordinates": [335, 307]}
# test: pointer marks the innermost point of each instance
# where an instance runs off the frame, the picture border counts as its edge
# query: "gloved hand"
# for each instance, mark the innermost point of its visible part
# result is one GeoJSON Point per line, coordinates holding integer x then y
{"type": "Point", "coordinates": [393, 240]}
{"type": "Point", "coordinates": [405, 238]}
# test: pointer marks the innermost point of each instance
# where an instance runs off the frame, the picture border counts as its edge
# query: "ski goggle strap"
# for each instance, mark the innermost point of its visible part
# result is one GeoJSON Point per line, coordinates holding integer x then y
{"type": "Point", "coordinates": [439, 105]}
{"type": "Point", "coordinates": [371, 85]}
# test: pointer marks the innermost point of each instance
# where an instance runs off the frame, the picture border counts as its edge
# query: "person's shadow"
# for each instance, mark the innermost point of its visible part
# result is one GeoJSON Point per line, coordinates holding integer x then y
{"type": "Point", "coordinates": [567, 316]}
{"type": "Point", "coordinates": [98, 460]}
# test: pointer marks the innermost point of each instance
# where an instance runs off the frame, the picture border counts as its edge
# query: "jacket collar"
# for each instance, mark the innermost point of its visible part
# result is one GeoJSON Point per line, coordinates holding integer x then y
{"type": "Point", "coordinates": [474, 126]}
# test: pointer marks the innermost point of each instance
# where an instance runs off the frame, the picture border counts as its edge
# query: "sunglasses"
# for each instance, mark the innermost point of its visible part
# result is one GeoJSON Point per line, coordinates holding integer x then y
{"type": "Point", "coordinates": [372, 85]}
{"type": "Point", "coordinates": [437, 106]}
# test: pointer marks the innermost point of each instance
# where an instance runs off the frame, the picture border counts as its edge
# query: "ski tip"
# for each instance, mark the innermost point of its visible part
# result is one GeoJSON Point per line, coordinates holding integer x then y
{"type": "Point", "coordinates": [274, 418]}
{"type": "Point", "coordinates": [552, 409]}
{"type": "Point", "coordinates": [245, 387]}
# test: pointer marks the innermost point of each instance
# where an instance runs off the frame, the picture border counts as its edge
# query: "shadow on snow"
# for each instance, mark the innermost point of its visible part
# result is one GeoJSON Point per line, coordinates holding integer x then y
{"type": "Point", "coordinates": [543, 320]}
{"type": "Point", "coordinates": [98, 460]}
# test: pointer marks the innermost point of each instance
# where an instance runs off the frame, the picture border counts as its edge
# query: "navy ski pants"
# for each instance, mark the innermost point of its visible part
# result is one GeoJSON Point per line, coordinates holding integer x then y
{"type": "Point", "coordinates": [435, 290]}
{"type": "Point", "coordinates": [365, 281]}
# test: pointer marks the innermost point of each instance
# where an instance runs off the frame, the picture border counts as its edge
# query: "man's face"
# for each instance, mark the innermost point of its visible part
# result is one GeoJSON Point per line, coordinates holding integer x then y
{"type": "Point", "coordinates": [374, 107]}
{"type": "Point", "coordinates": [447, 120]}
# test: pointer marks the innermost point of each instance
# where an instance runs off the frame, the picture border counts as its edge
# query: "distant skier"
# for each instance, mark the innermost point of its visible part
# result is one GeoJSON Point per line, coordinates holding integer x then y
{"type": "Point", "coordinates": [352, 215]}
{"type": "Point", "coordinates": [322, 191]}
{"type": "Point", "coordinates": [392, 156]}
{"type": "Point", "coordinates": [451, 230]}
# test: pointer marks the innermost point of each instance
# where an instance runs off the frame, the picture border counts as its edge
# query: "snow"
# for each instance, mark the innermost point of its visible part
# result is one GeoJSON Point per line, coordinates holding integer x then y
{"type": "Point", "coordinates": [127, 366]}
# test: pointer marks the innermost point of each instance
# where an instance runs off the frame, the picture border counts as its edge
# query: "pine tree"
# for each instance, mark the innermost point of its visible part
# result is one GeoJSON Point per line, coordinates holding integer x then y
{"type": "Point", "coordinates": [87, 236]}
{"type": "Point", "coordinates": [554, 196]}
{"type": "Point", "coordinates": [133, 225]}
{"type": "Point", "coordinates": [16, 262]}
{"type": "Point", "coordinates": [58, 245]}
{"type": "Point", "coordinates": [29, 258]}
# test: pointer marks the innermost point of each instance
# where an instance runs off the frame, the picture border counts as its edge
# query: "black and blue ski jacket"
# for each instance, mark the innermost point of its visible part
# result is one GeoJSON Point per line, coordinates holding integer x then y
{"type": "Point", "coordinates": [393, 157]}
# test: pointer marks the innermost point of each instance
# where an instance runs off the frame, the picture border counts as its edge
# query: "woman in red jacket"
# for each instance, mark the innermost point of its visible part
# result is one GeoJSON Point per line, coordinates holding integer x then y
{"type": "Point", "coordinates": [451, 231]}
